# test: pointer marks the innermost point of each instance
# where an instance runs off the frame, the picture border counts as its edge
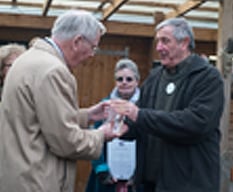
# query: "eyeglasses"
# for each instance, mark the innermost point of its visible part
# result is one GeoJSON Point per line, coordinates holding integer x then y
{"type": "Point", "coordinates": [7, 65]}
{"type": "Point", "coordinates": [93, 46]}
{"type": "Point", "coordinates": [121, 79]}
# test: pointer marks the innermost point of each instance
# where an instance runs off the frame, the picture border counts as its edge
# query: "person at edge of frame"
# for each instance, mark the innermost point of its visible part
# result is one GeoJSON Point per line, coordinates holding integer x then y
{"type": "Point", "coordinates": [177, 117]}
{"type": "Point", "coordinates": [43, 130]}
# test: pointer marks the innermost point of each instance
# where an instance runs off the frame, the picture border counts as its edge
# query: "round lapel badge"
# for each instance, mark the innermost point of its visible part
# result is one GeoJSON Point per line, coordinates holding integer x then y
{"type": "Point", "coordinates": [170, 88]}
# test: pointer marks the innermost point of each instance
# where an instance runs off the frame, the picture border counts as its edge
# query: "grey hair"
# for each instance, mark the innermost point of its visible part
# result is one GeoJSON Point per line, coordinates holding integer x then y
{"type": "Point", "coordinates": [127, 64]}
{"type": "Point", "coordinates": [9, 49]}
{"type": "Point", "coordinates": [181, 29]}
{"type": "Point", "coordinates": [77, 22]}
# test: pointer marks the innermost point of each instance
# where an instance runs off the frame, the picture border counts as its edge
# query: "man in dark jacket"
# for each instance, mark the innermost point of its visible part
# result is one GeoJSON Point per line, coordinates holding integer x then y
{"type": "Point", "coordinates": [176, 120]}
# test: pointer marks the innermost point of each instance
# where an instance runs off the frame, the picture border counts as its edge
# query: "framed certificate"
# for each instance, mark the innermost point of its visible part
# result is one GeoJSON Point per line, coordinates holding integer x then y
{"type": "Point", "coordinates": [121, 158]}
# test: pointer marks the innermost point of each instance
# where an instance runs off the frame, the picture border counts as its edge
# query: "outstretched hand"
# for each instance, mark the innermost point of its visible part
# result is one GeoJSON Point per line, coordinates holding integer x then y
{"type": "Point", "coordinates": [110, 133]}
{"type": "Point", "coordinates": [125, 108]}
{"type": "Point", "coordinates": [97, 112]}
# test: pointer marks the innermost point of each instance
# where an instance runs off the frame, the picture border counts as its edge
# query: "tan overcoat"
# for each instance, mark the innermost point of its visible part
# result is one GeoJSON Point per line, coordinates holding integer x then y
{"type": "Point", "coordinates": [42, 128]}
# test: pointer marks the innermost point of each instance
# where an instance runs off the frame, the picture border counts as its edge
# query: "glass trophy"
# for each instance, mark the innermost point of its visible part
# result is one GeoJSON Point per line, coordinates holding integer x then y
{"type": "Point", "coordinates": [117, 119]}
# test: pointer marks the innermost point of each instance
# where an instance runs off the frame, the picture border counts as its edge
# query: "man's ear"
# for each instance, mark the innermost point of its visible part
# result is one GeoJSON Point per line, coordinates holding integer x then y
{"type": "Point", "coordinates": [185, 43]}
{"type": "Point", "coordinates": [76, 41]}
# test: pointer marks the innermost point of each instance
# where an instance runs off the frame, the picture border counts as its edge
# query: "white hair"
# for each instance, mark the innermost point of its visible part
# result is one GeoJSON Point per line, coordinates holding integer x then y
{"type": "Point", "coordinates": [126, 63]}
{"type": "Point", "coordinates": [74, 22]}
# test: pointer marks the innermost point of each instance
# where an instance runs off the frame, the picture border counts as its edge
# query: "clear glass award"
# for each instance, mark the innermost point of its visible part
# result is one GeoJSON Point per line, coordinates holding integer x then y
{"type": "Point", "coordinates": [116, 119]}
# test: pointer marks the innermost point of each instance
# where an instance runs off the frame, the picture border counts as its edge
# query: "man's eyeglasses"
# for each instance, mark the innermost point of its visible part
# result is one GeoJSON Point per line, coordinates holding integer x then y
{"type": "Point", "coordinates": [93, 46]}
{"type": "Point", "coordinates": [127, 79]}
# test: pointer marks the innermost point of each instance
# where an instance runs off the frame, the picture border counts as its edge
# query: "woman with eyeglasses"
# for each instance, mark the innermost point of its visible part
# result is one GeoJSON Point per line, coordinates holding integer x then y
{"type": "Point", "coordinates": [101, 179]}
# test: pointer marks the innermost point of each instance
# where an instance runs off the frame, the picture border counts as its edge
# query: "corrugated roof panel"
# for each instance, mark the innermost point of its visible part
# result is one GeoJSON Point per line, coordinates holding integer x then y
{"type": "Point", "coordinates": [135, 11]}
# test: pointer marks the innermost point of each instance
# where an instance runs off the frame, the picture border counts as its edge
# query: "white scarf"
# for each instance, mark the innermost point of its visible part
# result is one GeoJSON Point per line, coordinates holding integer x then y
{"type": "Point", "coordinates": [114, 95]}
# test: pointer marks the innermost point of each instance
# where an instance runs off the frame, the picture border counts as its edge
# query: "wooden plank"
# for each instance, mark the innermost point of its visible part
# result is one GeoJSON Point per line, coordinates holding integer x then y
{"type": "Point", "coordinates": [116, 4]}
{"type": "Point", "coordinates": [231, 177]}
{"type": "Point", "coordinates": [134, 29]}
{"type": "Point", "coordinates": [184, 8]}
{"type": "Point", "coordinates": [26, 21]}
{"type": "Point", "coordinates": [225, 31]}
{"type": "Point", "coordinates": [64, 5]}
{"type": "Point", "coordinates": [46, 6]}
{"type": "Point", "coordinates": [118, 28]}
{"type": "Point", "coordinates": [152, 3]}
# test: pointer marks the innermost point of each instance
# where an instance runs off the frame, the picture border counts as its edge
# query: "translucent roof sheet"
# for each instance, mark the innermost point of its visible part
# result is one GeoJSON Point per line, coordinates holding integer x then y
{"type": "Point", "coordinates": [204, 15]}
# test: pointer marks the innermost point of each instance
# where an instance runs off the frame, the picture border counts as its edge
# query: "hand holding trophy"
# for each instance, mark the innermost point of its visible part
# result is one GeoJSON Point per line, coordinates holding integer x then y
{"type": "Point", "coordinates": [125, 108]}
{"type": "Point", "coordinates": [116, 120]}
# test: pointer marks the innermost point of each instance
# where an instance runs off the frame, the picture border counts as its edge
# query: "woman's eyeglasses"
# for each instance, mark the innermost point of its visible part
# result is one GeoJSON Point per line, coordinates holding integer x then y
{"type": "Point", "coordinates": [121, 79]}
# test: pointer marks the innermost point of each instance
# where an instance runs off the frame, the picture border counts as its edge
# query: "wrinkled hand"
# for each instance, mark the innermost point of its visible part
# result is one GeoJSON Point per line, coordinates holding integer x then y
{"type": "Point", "coordinates": [105, 178]}
{"type": "Point", "coordinates": [98, 112]}
{"type": "Point", "coordinates": [109, 133]}
{"type": "Point", "coordinates": [125, 108]}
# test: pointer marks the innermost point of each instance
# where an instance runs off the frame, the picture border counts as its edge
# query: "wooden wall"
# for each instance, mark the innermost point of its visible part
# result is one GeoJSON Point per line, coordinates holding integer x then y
{"type": "Point", "coordinates": [95, 76]}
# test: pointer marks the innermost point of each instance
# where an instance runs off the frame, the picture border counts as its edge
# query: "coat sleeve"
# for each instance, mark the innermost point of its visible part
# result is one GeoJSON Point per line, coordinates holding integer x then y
{"type": "Point", "coordinates": [195, 121]}
{"type": "Point", "coordinates": [59, 117]}
{"type": "Point", "coordinates": [83, 118]}
{"type": "Point", "coordinates": [100, 164]}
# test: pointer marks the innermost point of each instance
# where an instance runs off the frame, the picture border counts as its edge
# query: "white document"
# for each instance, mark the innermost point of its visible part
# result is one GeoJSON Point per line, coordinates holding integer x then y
{"type": "Point", "coordinates": [121, 158]}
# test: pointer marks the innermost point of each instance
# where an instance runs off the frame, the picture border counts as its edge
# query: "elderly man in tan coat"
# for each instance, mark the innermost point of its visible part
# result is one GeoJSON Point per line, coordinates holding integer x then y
{"type": "Point", "coordinates": [42, 128]}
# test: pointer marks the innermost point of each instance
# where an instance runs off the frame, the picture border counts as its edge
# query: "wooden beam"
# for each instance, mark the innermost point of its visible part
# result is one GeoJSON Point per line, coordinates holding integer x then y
{"type": "Point", "coordinates": [54, 5]}
{"type": "Point", "coordinates": [118, 28]}
{"type": "Point", "coordinates": [143, 30]}
{"type": "Point", "coordinates": [100, 7]}
{"type": "Point", "coordinates": [9, 35]}
{"type": "Point", "coordinates": [116, 4]}
{"type": "Point", "coordinates": [151, 14]}
{"type": "Point", "coordinates": [158, 17]}
{"type": "Point", "coordinates": [26, 21]}
{"type": "Point", "coordinates": [130, 29]}
{"type": "Point", "coordinates": [15, 2]}
{"type": "Point", "coordinates": [205, 34]}
{"type": "Point", "coordinates": [184, 8]}
{"type": "Point", "coordinates": [152, 4]}
{"type": "Point", "coordinates": [149, 3]}
{"type": "Point", "coordinates": [231, 174]}
{"type": "Point", "coordinates": [46, 6]}
{"type": "Point", "coordinates": [224, 33]}
{"type": "Point", "coordinates": [202, 19]}
{"type": "Point", "coordinates": [58, 5]}
{"type": "Point", "coordinates": [136, 13]}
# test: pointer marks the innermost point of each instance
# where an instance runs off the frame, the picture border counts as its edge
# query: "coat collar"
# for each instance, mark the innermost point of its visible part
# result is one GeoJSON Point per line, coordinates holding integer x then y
{"type": "Point", "coordinates": [45, 45]}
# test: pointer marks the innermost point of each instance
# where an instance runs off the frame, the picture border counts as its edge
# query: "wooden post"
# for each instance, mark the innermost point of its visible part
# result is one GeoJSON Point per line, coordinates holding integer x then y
{"type": "Point", "coordinates": [225, 31]}
{"type": "Point", "coordinates": [158, 17]}
{"type": "Point", "coordinates": [232, 174]}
